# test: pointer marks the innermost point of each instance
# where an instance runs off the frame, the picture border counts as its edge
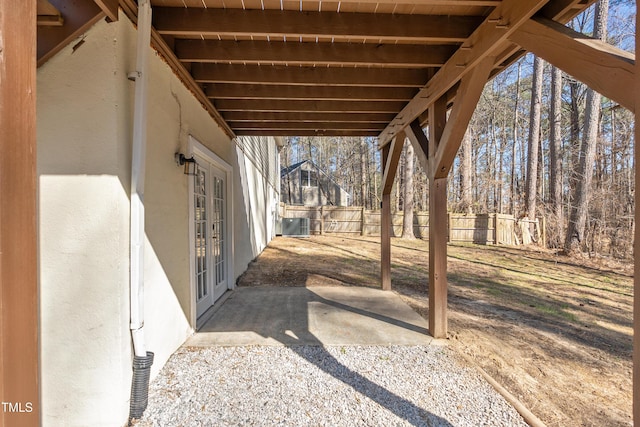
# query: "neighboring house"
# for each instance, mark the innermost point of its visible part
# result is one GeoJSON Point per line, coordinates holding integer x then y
{"type": "Point", "coordinates": [201, 230]}
{"type": "Point", "coordinates": [305, 184]}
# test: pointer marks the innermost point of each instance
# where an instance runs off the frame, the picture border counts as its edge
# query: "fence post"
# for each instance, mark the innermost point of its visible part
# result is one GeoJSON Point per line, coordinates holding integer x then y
{"type": "Point", "coordinates": [543, 232]}
{"type": "Point", "coordinates": [495, 229]}
{"type": "Point", "coordinates": [449, 226]}
{"type": "Point", "coordinates": [322, 220]}
{"type": "Point", "coordinates": [363, 225]}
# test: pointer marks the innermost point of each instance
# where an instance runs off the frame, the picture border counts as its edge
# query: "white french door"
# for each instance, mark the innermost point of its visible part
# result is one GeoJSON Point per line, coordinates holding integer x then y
{"type": "Point", "coordinates": [210, 226]}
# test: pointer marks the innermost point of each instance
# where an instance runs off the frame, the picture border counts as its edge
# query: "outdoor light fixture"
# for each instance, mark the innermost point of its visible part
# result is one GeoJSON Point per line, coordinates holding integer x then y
{"type": "Point", "coordinates": [189, 163]}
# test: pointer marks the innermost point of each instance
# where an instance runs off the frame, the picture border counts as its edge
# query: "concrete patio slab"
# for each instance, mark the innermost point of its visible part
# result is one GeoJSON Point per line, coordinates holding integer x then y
{"type": "Point", "coordinates": [330, 316]}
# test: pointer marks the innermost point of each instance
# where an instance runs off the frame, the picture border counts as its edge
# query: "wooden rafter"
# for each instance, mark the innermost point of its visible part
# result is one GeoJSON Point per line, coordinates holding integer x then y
{"type": "Point", "coordinates": [109, 7]}
{"type": "Point", "coordinates": [197, 22]}
{"type": "Point", "coordinates": [464, 105]}
{"type": "Point", "coordinates": [559, 10]}
{"type": "Point", "coordinates": [501, 23]}
{"type": "Point", "coordinates": [48, 15]}
{"type": "Point", "coordinates": [318, 76]}
{"type": "Point", "coordinates": [291, 125]}
{"type": "Point", "coordinates": [310, 132]}
{"type": "Point", "coordinates": [275, 116]}
{"type": "Point", "coordinates": [310, 106]}
{"type": "Point", "coordinates": [449, 3]}
{"type": "Point", "coordinates": [353, 93]}
{"type": "Point", "coordinates": [78, 17]}
{"type": "Point", "coordinates": [344, 54]}
{"type": "Point", "coordinates": [130, 8]}
{"type": "Point", "coordinates": [604, 68]}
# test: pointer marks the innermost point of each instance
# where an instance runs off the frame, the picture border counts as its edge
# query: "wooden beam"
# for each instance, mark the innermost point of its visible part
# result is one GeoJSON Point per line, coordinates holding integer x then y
{"type": "Point", "coordinates": [48, 15]}
{"type": "Point", "coordinates": [309, 106]}
{"type": "Point", "coordinates": [310, 132]}
{"type": "Point", "coordinates": [308, 76]}
{"type": "Point", "coordinates": [391, 164]}
{"type": "Point", "coordinates": [437, 122]}
{"type": "Point", "coordinates": [420, 144]}
{"type": "Point", "coordinates": [78, 15]}
{"type": "Point", "coordinates": [109, 7]}
{"type": "Point", "coordinates": [198, 22]}
{"type": "Point", "coordinates": [561, 11]}
{"type": "Point", "coordinates": [293, 52]}
{"type": "Point", "coordinates": [344, 93]}
{"type": "Point", "coordinates": [464, 105]}
{"type": "Point", "coordinates": [438, 225]}
{"type": "Point", "coordinates": [605, 68]}
{"type": "Point", "coordinates": [276, 116]}
{"type": "Point", "coordinates": [19, 352]}
{"type": "Point", "coordinates": [564, 10]}
{"type": "Point", "coordinates": [485, 41]}
{"type": "Point", "coordinates": [236, 126]}
{"type": "Point", "coordinates": [50, 21]}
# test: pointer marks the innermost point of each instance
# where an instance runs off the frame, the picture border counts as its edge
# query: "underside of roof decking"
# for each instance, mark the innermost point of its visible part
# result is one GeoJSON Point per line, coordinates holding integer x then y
{"type": "Point", "coordinates": [301, 67]}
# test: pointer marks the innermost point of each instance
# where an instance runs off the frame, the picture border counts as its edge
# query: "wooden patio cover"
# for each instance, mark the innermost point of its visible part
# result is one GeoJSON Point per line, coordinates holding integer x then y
{"type": "Point", "coordinates": [379, 68]}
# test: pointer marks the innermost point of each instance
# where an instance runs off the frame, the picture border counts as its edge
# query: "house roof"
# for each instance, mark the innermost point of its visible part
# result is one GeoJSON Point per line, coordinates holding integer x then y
{"type": "Point", "coordinates": [349, 67]}
{"type": "Point", "coordinates": [289, 169]}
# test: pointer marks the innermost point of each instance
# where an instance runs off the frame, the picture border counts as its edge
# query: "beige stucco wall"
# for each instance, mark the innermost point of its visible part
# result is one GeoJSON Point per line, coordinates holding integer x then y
{"type": "Point", "coordinates": [83, 238]}
{"type": "Point", "coordinates": [85, 107]}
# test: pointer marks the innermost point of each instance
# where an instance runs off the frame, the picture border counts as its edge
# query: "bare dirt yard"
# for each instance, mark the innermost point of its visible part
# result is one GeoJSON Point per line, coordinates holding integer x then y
{"type": "Point", "coordinates": [555, 332]}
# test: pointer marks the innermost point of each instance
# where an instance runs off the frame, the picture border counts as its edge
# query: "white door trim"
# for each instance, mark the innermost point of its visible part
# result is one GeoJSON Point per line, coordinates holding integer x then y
{"type": "Point", "coordinates": [197, 148]}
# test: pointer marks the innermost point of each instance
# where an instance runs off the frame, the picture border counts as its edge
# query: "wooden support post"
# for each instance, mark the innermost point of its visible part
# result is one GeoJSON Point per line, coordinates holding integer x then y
{"type": "Point", "coordinates": [322, 220]}
{"type": "Point", "coordinates": [385, 238]}
{"type": "Point", "coordinates": [362, 224]}
{"type": "Point", "coordinates": [19, 389]}
{"type": "Point", "coordinates": [438, 257]}
{"type": "Point", "coordinates": [438, 226]}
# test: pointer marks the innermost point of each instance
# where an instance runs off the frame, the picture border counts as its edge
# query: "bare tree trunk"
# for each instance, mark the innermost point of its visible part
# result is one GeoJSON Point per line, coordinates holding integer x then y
{"type": "Point", "coordinates": [407, 222]}
{"type": "Point", "coordinates": [584, 173]}
{"type": "Point", "coordinates": [466, 166]}
{"type": "Point", "coordinates": [363, 173]}
{"type": "Point", "coordinates": [534, 139]}
{"type": "Point", "coordinates": [555, 151]}
{"type": "Point", "coordinates": [512, 189]}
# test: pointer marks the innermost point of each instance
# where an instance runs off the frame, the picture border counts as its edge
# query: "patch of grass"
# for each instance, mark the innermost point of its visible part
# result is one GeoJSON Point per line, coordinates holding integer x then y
{"type": "Point", "coordinates": [493, 291]}
{"type": "Point", "coordinates": [555, 311]}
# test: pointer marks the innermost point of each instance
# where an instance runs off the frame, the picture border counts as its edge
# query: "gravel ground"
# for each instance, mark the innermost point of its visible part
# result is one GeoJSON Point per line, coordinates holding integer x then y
{"type": "Point", "coordinates": [323, 386]}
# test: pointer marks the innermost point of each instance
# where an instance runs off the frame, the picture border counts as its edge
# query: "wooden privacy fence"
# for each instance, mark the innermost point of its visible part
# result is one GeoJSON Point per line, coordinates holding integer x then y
{"type": "Point", "coordinates": [497, 229]}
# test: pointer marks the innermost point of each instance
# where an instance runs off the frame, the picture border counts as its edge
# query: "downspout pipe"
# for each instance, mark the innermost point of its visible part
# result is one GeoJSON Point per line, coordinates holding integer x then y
{"type": "Point", "coordinates": [142, 358]}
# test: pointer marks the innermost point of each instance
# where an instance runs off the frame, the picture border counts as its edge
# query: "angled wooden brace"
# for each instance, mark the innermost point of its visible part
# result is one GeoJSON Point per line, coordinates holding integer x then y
{"type": "Point", "coordinates": [390, 158]}
{"type": "Point", "coordinates": [602, 67]}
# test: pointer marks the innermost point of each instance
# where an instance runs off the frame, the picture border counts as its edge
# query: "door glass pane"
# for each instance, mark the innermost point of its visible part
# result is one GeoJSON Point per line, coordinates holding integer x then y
{"type": "Point", "coordinates": [200, 217]}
